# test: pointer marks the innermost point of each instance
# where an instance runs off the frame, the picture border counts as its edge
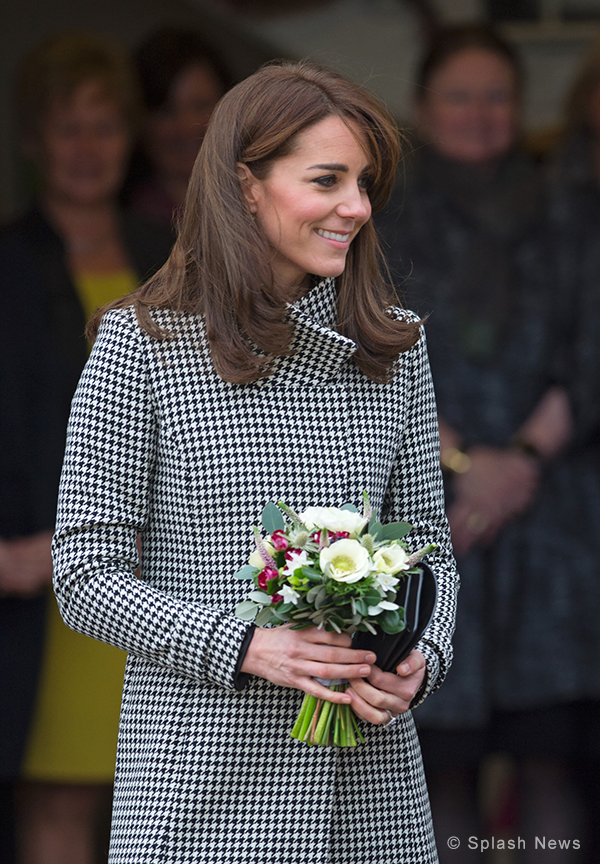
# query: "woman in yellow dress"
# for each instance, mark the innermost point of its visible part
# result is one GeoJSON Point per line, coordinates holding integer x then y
{"type": "Point", "coordinates": [75, 251]}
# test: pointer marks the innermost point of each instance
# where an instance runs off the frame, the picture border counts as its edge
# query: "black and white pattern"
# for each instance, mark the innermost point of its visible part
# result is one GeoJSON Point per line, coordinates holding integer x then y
{"type": "Point", "coordinates": [159, 444]}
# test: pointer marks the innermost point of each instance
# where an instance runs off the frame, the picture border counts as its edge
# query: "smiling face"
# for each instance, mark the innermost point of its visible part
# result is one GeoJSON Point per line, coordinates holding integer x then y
{"type": "Point", "coordinates": [313, 202]}
{"type": "Point", "coordinates": [470, 108]}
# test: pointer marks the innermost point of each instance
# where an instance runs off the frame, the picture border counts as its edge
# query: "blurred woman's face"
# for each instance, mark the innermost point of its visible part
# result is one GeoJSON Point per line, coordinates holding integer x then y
{"type": "Point", "coordinates": [175, 131]}
{"type": "Point", "coordinates": [470, 108]}
{"type": "Point", "coordinates": [313, 202]}
{"type": "Point", "coordinates": [83, 146]}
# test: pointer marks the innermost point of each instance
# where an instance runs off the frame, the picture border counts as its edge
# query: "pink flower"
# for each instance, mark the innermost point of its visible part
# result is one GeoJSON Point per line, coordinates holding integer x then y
{"type": "Point", "coordinates": [265, 576]}
{"type": "Point", "coordinates": [279, 540]}
{"type": "Point", "coordinates": [276, 598]}
{"type": "Point", "coordinates": [332, 536]}
{"type": "Point", "coordinates": [290, 554]}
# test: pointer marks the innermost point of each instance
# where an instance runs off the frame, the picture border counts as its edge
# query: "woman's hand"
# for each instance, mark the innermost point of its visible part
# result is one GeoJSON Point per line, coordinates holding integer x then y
{"type": "Point", "coordinates": [294, 658]}
{"type": "Point", "coordinates": [25, 565]}
{"type": "Point", "coordinates": [499, 485]}
{"type": "Point", "coordinates": [386, 691]}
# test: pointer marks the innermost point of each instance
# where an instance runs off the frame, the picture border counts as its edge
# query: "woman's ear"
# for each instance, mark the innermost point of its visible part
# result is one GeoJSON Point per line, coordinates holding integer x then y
{"type": "Point", "coordinates": [250, 185]}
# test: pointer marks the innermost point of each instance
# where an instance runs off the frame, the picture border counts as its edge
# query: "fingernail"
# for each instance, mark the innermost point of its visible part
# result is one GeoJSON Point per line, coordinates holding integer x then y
{"type": "Point", "coordinates": [347, 698]}
{"type": "Point", "coordinates": [365, 670]}
{"type": "Point", "coordinates": [371, 658]}
{"type": "Point", "coordinates": [405, 668]}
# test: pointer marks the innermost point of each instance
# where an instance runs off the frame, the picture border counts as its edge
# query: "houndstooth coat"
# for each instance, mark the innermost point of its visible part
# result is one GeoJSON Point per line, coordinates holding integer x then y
{"type": "Point", "coordinates": [159, 444]}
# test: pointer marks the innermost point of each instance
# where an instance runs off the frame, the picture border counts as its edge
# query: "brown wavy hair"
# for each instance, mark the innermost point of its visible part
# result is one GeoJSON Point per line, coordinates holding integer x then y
{"type": "Point", "coordinates": [220, 266]}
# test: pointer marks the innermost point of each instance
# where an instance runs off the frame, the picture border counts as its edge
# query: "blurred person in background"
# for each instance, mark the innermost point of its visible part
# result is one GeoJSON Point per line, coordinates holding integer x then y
{"type": "Point", "coordinates": [467, 241]}
{"type": "Point", "coordinates": [182, 79]}
{"type": "Point", "coordinates": [71, 253]}
{"type": "Point", "coordinates": [575, 218]}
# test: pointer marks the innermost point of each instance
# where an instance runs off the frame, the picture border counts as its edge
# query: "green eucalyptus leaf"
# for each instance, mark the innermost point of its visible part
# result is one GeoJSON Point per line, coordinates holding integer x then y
{"type": "Point", "coordinates": [312, 575]}
{"type": "Point", "coordinates": [246, 610]}
{"type": "Point", "coordinates": [391, 622]}
{"type": "Point", "coordinates": [373, 520]}
{"type": "Point", "coordinates": [321, 598]}
{"type": "Point", "coordinates": [362, 607]}
{"type": "Point", "coordinates": [395, 530]}
{"type": "Point", "coordinates": [349, 507]}
{"type": "Point", "coordinates": [312, 593]}
{"type": "Point", "coordinates": [245, 572]}
{"type": "Point", "coordinates": [263, 617]}
{"type": "Point", "coordinates": [375, 530]}
{"type": "Point", "coordinates": [260, 597]}
{"type": "Point", "coordinates": [272, 518]}
{"type": "Point", "coordinates": [371, 598]}
{"type": "Point", "coordinates": [285, 607]}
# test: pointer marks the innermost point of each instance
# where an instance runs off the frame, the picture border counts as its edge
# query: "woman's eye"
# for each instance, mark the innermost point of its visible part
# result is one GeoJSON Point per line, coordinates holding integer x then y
{"type": "Point", "coordinates": [328, 181]}
{"type": "Point", "coordinates": [365, 182]}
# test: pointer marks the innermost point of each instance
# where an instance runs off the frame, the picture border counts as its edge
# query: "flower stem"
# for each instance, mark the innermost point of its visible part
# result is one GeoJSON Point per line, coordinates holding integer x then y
{"type": "Point", "coordinates": [311, 702]}
{"type": "Point", "coordinates": [355, 724]}
{"type": "Point", "coordinates": [310, 739]}
{"type": "Point", "coordinates": [319, 735]}
{"type": "Point", "coordinates": [300, 718]}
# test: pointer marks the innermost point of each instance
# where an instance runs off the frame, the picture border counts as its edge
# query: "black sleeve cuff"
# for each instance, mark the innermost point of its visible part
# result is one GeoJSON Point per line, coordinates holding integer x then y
{"type": "Point", "coordinates": [242, 679]}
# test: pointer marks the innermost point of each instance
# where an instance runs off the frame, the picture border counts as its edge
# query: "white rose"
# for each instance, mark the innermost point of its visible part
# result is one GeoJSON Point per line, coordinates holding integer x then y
{"type": "Point", "coordinates": [333, 519]}
{"type": "Point", "coordinates": [255, 559]}
{"type": "Point", "coordinates": [345, 561]}
{"type": "Point", "coordinates": [391, 559]}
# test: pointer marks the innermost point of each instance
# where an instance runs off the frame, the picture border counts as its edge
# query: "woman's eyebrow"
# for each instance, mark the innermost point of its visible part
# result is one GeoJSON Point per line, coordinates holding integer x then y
{"type": "Point", "coordinates": [334, 166]}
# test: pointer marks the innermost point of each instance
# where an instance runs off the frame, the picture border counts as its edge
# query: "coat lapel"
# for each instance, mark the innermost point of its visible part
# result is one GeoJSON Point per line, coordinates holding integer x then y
{"type": "Point", "coordinates": [320, 355]}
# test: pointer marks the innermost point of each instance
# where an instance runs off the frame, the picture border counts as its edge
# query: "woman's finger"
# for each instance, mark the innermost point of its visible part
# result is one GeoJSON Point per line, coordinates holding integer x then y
{"type": "Point", "coordinates": [365, 710]}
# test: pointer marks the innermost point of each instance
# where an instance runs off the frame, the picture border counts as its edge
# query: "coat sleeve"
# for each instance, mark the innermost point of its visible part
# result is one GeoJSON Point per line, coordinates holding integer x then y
{"type": "Point", "coordinates": [104, 500]}
{"type": "Point", "coordinates": [415, 494]}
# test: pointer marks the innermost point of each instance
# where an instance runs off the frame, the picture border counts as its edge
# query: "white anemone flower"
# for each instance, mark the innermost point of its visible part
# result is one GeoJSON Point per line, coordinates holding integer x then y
{"type": "Point", "coordinates": [345, 561]}
{"type": "Point", "coordinates": [333, 519]}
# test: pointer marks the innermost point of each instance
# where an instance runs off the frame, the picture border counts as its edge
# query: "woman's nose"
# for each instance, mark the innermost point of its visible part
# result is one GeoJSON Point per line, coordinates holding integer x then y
{"type": "Point", "coordinates": [355, 205]}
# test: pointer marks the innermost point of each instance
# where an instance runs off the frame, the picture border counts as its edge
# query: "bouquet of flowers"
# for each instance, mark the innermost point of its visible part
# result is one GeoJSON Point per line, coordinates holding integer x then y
{"type": "Point", "coordinates": [332, 568]}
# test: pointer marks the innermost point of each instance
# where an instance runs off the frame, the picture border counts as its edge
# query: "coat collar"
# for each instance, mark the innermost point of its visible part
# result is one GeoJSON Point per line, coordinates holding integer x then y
{"type": "Point", "coordinates": [319, 353]}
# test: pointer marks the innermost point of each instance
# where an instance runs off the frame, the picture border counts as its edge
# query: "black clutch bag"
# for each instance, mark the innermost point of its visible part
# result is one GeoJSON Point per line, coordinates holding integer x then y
{"type": "Point", "coordinates": [417, 594]}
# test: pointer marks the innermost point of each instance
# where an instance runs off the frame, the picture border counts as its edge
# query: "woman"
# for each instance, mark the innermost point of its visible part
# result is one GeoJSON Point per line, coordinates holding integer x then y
{"type": "Point", "coordinates": [574, 191]}
{"type": "Point", "coordinates": [182, 79]}
{"type": "Point", "coordinates": [71, 253]}
{"type": "Point", "coordinates": [471, 247]}
{"type": "Point", "coordinates": [259, 364]}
